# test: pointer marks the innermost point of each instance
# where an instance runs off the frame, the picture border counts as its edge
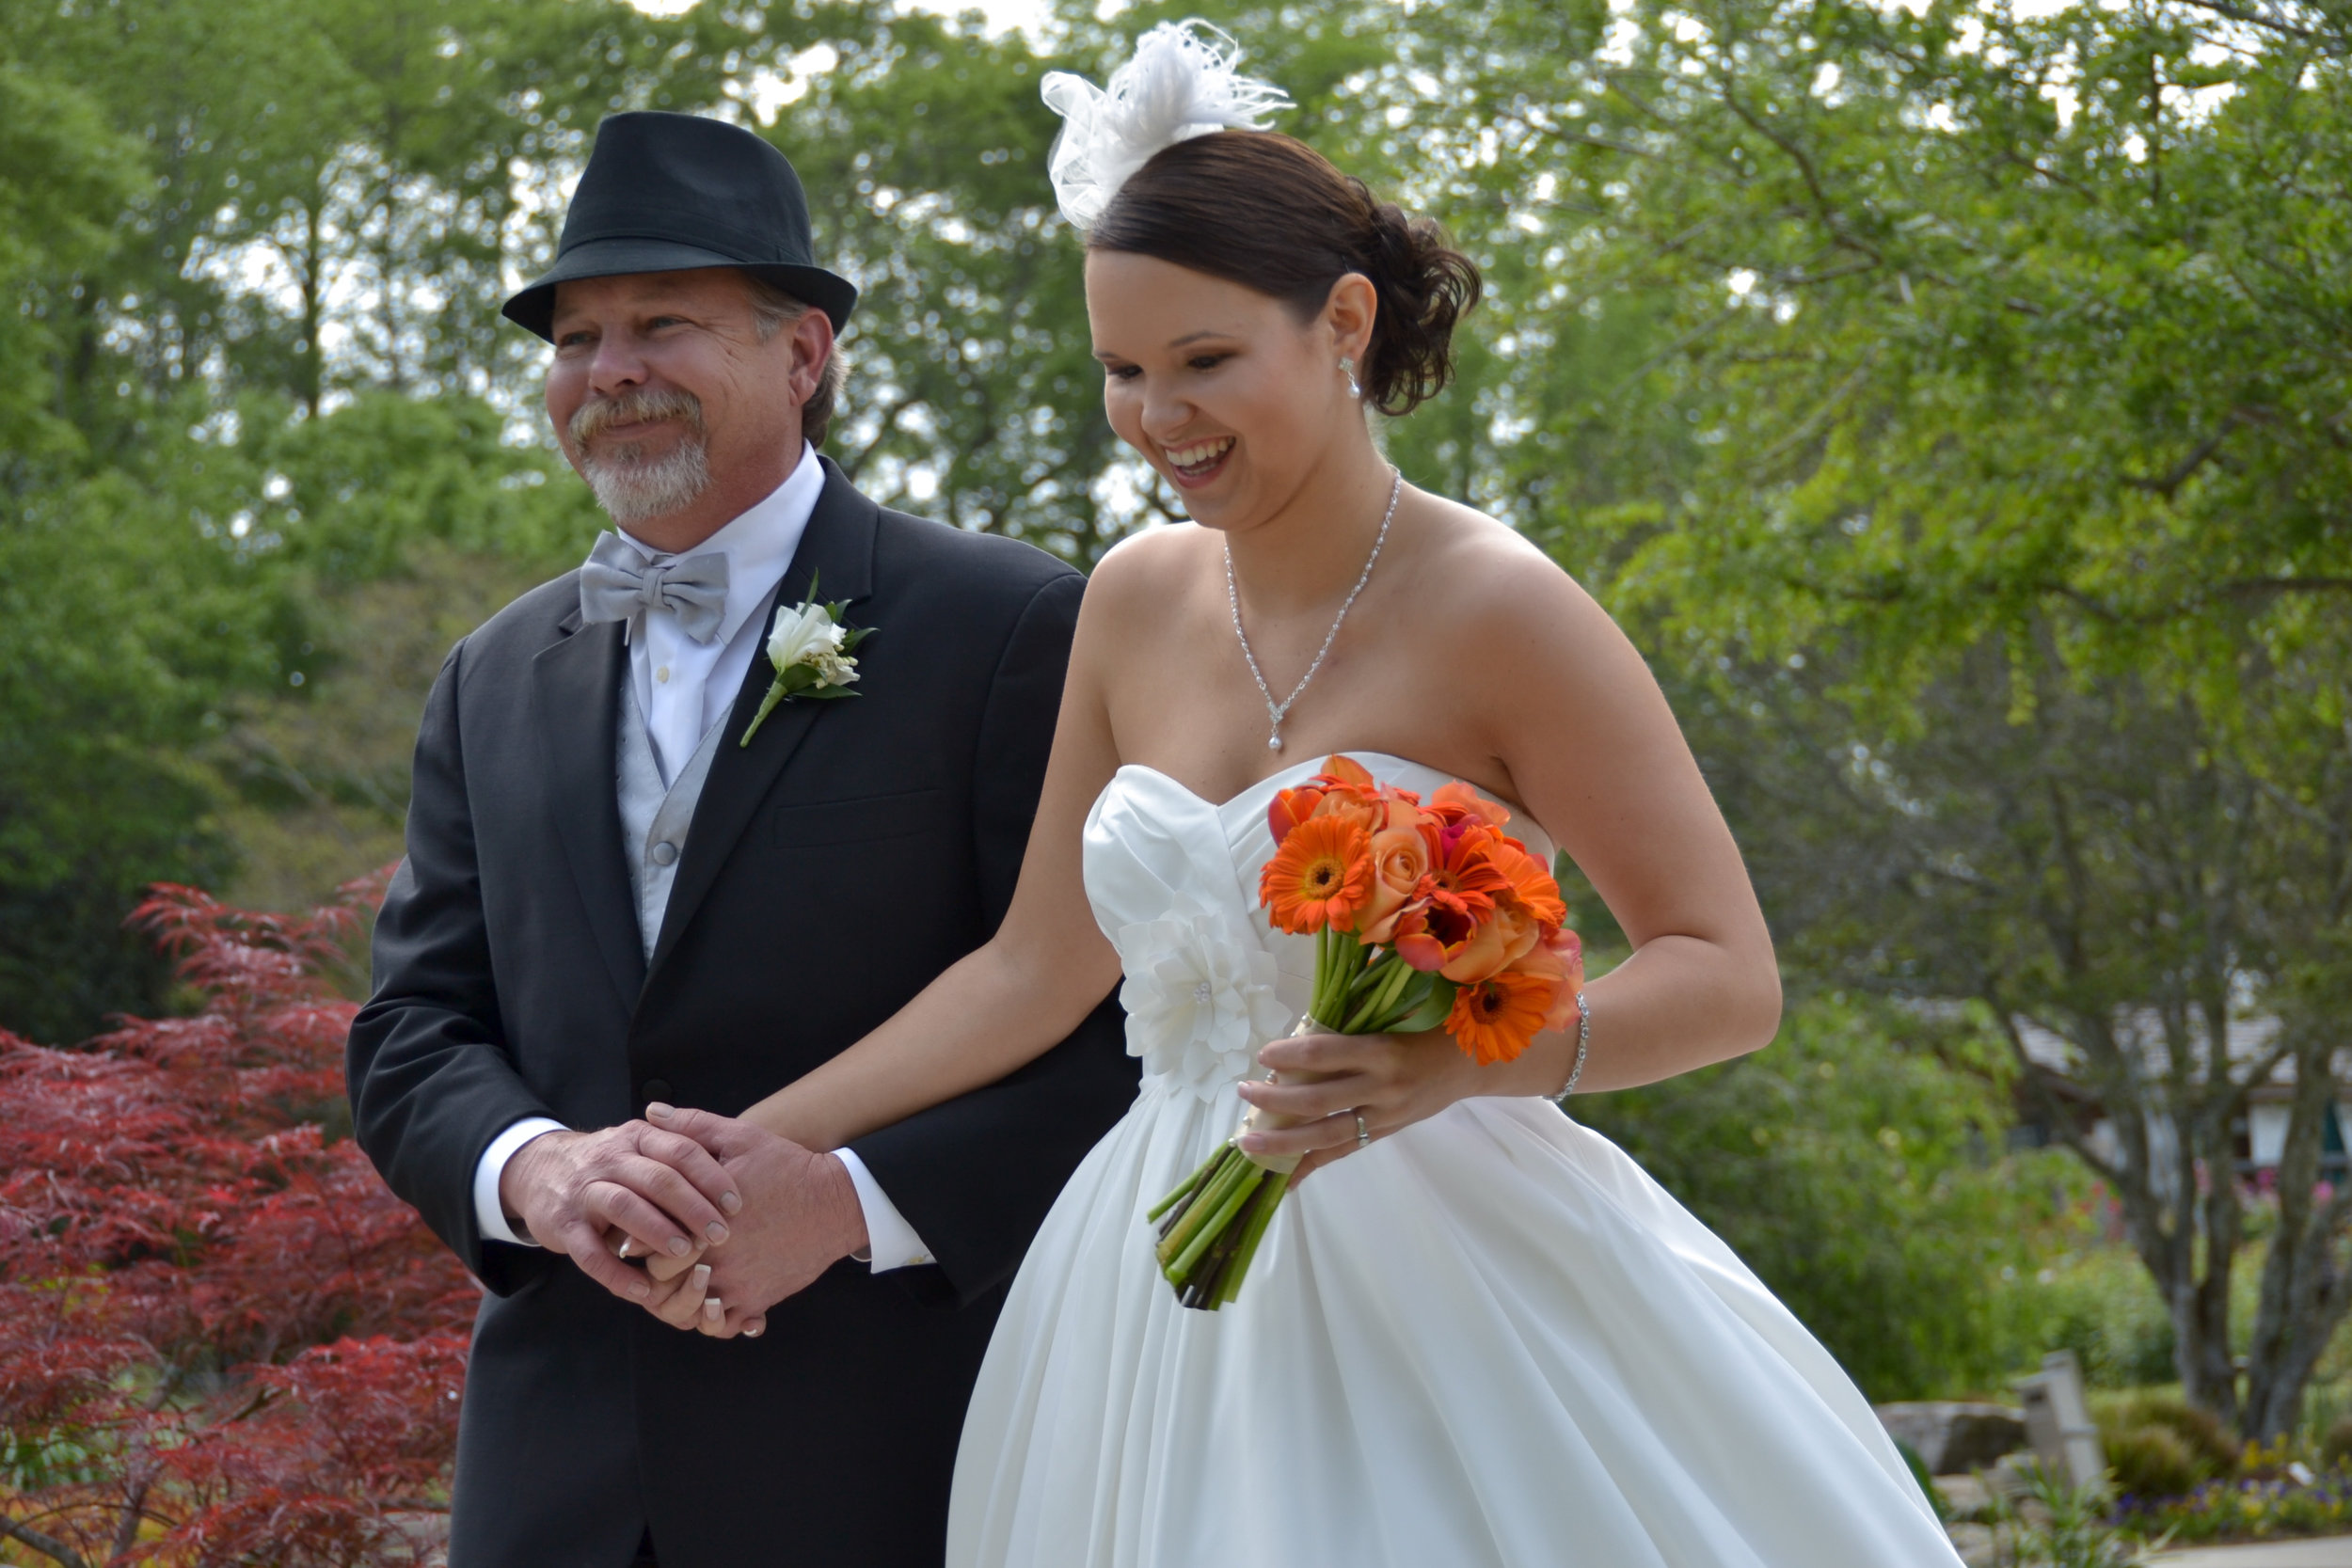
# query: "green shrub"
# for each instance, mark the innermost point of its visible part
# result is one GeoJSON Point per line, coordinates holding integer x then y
{"type": "Point", "coordinates": [2201, 1432]}
{"type": "Point", "coordinates": [2151, 1462]}
{"type": "Point", "coordinates": [2102, 1305]}
{"type": "Point", "coordinates": [2335, 1449]}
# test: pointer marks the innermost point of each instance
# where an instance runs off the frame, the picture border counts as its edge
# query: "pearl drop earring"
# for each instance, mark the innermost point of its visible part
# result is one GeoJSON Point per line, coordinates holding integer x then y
{"type": "Point", "coordinates": [1347, 369]}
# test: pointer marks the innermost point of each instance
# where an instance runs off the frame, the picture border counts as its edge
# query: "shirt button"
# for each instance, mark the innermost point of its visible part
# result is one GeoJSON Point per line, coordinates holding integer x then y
{"type": "Point", "coordinates": [664, 852]}
{"type": "Point", "coordinates": [662, 675]}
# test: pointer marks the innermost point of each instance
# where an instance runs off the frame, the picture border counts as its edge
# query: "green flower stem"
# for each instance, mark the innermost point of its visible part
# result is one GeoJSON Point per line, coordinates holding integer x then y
{"type": "Point", "coordinates": [1239, 1188]}
{"type": "Point", "coordinates": [777, 694]}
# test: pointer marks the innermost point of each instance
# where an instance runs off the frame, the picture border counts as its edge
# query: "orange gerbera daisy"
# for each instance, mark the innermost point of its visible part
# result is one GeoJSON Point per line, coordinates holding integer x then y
{"type": "Point", "coordinates": [1531, 886]}
{"type": "Point", "coordinates": [1321, 875]}
{"type": "Point", "coordinates": [1494, 1019]}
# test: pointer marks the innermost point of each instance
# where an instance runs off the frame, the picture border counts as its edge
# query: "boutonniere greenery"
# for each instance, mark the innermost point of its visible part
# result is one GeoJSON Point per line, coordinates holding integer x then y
{"type": "Point", "coordinates": [810, 649]}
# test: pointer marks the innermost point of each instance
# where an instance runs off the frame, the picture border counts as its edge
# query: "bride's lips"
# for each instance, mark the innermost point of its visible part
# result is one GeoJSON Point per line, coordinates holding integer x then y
{"type": "Point", "coordinates": [1197, 462]}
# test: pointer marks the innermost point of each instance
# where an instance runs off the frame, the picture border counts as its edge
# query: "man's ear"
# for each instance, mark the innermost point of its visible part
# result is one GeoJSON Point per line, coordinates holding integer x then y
{"type": "Point", "coordinates": [812, 350]}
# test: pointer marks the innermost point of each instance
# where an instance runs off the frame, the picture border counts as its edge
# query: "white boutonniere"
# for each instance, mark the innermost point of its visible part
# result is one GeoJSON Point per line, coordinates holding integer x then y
{"type": "Point", "coordinates": [810, 649]}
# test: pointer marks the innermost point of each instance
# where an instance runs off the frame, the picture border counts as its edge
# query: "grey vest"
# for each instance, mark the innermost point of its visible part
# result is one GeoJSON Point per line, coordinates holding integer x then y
{"type": "Point", "coordinates": [655, 816]}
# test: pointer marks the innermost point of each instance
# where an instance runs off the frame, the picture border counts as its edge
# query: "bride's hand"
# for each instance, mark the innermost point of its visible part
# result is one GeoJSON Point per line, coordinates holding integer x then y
{"type": "Point", "coordinates": [1391, 1080]}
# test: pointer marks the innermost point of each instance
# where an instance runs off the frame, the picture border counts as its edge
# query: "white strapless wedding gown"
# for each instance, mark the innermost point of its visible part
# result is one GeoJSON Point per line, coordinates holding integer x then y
{"type": "Point", "coordinates": [1488, 1340]}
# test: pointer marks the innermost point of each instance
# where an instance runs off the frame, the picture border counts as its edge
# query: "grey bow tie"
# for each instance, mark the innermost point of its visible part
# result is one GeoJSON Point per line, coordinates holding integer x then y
{"type": "Point", "coordinates": [620, 583]}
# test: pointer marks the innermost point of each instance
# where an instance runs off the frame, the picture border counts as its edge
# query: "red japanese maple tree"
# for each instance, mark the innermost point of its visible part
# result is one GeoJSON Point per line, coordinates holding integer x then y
{"type": "Point", "coordinates": [222, 1339]}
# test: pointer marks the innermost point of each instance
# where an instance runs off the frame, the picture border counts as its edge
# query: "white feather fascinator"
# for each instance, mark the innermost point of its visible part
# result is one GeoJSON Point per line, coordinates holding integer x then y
{"type": "Point", "coordinates": [1180, 82]}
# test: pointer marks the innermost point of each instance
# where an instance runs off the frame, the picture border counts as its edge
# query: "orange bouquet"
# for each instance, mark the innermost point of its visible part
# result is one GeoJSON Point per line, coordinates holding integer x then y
{"type": "Point", "coordinates": [1425, 916]}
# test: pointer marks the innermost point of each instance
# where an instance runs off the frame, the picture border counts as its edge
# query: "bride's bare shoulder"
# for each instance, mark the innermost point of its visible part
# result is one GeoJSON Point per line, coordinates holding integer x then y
{"type": "Point", "coordinates": [1145, 568]}
{"type": "Point", "coordinates": [1489, 564]}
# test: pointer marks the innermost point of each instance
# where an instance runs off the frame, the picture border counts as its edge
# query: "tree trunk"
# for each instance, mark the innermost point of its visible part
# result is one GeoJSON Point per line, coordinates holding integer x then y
{"type": "Point", "coordinates": [2305, 1289]}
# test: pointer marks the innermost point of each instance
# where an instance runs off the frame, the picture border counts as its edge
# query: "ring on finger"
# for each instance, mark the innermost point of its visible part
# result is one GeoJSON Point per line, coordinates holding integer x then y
{"type": "Point", "coordinates": [1363, 1130]}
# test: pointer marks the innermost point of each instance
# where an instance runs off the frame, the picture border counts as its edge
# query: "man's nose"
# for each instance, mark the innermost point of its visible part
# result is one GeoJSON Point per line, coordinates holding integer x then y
{"type": "Point", "coordinates": [619, 365]}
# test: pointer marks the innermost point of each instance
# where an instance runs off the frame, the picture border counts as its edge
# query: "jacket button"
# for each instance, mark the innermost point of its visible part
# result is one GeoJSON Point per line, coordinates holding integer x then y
{"type": "Point", "coordinates": [655, 1088]}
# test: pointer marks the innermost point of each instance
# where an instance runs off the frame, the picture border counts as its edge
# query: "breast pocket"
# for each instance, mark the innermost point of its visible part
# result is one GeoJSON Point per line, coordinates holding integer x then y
{"type": "Point", "coordinates": [864, 819]}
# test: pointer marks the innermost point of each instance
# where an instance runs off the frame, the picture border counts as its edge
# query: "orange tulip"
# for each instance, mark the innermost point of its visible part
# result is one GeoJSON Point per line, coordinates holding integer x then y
{"type": "Point", "coordinates": [1290, 808]}
{"type": "Point", "coordinates": [1458, 801]}
{"type": "Point", "coordinates": [1320, 877]}
{"type": "Point", "coordinates": [1494, 1020]}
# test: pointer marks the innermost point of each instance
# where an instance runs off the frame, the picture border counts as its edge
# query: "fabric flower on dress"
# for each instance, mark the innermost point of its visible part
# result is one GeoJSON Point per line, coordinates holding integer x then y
{"type": "Point", "coordinates": [1200, 998]}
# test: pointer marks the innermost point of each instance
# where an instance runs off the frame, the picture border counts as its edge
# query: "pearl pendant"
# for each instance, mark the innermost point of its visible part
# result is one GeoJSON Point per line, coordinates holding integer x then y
{"type": "Point", "coordinates": [1274, 742]}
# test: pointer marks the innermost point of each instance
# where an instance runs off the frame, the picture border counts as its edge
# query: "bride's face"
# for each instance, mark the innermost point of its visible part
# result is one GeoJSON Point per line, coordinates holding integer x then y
{"type": "Point", "coordinates": [1222, 388]}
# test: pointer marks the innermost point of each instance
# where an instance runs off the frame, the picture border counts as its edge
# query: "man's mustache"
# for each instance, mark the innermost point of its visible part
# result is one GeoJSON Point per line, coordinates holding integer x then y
{"type": "Point", "coordinates": [593, 419]}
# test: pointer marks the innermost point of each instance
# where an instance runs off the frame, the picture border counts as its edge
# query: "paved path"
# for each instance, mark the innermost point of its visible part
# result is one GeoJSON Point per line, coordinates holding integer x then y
{"type": "Point", "coordinates": [2335, 1552]}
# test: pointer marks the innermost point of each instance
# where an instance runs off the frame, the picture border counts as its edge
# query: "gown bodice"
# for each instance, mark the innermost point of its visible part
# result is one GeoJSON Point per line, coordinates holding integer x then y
{"type": "Point", "coordinates": [1173, 883]}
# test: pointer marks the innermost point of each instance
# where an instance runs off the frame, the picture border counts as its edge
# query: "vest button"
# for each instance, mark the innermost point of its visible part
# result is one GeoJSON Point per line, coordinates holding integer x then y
{"type": "Point", "coordinates": [655, 1088]}
{"type": "Point", "coordinates": [664, 853]}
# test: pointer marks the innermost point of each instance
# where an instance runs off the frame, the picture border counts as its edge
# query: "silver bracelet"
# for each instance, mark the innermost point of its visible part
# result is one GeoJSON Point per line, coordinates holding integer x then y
{"type": "Point", "coordinates": [1583, 1042]}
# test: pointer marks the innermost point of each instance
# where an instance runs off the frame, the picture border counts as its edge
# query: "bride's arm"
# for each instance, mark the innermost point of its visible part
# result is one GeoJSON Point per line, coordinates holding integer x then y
{"type": "Point", "coordinates": [1014, 998]}
{"type": "Point", "coordinates": [1581, 734]}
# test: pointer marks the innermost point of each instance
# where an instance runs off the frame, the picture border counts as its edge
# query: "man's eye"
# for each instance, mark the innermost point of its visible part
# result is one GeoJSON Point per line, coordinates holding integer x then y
{"type": "Point", "coordinates": [572, 340]}
{"type": "Point", "coordinates": [666, 320]}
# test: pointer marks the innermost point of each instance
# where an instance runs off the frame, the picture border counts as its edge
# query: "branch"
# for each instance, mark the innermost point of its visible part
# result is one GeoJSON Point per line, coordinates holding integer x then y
{"type": "Point", "coordinates": [2189, 465]}
{"type": "Point", "coordinates": [2253, 19]}
{"type": "Point", "coordinates": [1821, 204]}
{"type": "Point", "coordinates": [47, 1545]}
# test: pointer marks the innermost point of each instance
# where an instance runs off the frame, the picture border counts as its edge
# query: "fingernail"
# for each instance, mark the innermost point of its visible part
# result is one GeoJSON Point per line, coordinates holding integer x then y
{"type": "Point", "coordinates": [731, 1203]}
{"type": "Point", "coordinates": [661, 1112]}
{"type": "Point", "coordinates": [714, 1308]}
{"type": "Point", "coordinates": [641, 1292]}
{"type": "Point", "coordinates": [716, 1232]}
{"type": "Point", "coordinates": [680, 1246]}
{"type": "Point", "coordinates": [752, 1331]}
{"type": "Point", "coordinates": [702, 1276]}
{"type": "Point", "coordinates": [1251, 1143]}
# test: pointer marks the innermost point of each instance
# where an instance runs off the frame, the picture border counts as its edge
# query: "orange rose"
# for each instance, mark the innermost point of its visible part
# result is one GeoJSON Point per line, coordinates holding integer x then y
{"type": "Point", "coordinates": [1400, 859]}
{"type": "Point", "coordinates": [1320, 877]}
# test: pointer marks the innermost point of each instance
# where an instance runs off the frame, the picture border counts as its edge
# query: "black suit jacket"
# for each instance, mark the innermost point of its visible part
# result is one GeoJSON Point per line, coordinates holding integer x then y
{"type": "Point", "coordinates": [833, 867]}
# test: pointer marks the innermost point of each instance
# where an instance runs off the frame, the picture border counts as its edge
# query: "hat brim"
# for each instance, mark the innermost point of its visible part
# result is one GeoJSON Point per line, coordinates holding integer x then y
{"type": "Point", "coordinates": [533, 304]}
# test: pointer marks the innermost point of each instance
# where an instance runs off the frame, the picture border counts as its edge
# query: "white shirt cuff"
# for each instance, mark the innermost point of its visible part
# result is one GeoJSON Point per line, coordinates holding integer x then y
{"type": "Point", "coordinates": [488, 1213]}
{"type": "Point", "coordinates": [890, 1240]}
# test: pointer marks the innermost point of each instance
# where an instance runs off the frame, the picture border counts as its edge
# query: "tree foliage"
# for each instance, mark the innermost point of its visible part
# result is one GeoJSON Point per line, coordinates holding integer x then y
{"type": "Point", "coordinates": [222, 1339]}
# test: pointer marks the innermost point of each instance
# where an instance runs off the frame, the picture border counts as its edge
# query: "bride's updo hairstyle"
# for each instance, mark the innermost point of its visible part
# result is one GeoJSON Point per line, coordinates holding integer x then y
{"type": "Point", "coordinates": [1271, 213]}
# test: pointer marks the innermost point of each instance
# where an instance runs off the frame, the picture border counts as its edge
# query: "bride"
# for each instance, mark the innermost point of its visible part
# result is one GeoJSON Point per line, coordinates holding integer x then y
{"type": "Point", "coordinates": [1477, 1334]}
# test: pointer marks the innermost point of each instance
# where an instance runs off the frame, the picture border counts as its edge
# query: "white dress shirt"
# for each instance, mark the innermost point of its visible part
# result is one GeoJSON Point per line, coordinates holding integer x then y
{"type": "Point", "coordinates": [683, 687]}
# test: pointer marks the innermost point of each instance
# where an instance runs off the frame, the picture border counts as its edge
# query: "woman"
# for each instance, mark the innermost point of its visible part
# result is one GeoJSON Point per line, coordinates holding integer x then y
{"type": "Point", "coordinates": [1477, 1333]}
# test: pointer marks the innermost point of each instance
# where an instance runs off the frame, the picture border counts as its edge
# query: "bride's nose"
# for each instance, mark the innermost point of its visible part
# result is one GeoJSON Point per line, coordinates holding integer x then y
{"type": "Point", "coordinates": [1166, 413]}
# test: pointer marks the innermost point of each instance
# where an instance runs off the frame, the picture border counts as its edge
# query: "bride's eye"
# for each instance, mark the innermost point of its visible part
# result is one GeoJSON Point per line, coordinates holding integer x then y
{"type": "Point", "coordinates": [1207, 362]}
{"type": "Point", "coordinates": [1122, 373]}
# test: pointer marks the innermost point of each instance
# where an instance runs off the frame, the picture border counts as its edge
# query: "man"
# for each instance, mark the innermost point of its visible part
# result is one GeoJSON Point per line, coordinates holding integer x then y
{"type": "Point", "coordinates": [610, 902]}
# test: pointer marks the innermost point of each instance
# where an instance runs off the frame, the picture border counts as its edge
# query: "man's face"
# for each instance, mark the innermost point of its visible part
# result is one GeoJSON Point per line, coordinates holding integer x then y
{"type": "Point", "coordinates": [661, 388]}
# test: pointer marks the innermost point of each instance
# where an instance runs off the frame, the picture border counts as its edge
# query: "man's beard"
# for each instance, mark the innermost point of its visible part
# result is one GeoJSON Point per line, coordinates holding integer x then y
{"type": "Point", "coordinates": [628, 484]}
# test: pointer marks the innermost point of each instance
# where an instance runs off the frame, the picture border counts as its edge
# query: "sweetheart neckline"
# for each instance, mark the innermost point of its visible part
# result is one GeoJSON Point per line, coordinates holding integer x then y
{"type": "Point", "coordinates": [1249, 791]}
{"type": "Point", "coordinates": [1518, 813]}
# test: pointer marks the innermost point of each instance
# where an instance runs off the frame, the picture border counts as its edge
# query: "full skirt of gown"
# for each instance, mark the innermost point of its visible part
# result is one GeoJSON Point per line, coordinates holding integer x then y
{"type": "Point", "coordinates": [1489, 1338]}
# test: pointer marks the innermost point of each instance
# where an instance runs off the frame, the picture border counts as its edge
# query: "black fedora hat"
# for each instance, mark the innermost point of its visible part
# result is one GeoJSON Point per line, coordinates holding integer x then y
{"type": "Point", "coordinates": [669, 193]}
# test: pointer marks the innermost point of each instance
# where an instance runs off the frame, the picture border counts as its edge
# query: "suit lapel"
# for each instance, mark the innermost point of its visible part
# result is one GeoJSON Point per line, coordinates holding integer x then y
{"type": "Point", "coordinates": [837, 551]}
{"type": "Point", "coordinates": [575, 688]}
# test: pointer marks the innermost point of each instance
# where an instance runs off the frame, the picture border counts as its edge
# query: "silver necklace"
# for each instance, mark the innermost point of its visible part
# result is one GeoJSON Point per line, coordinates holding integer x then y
{"type": "Point", "coordinates": [1276, 712]}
